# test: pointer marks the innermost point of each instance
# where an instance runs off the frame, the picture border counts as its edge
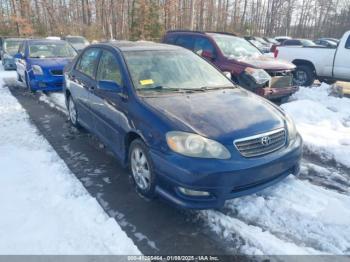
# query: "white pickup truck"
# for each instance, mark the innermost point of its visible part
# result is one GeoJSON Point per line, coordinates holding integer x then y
{"type": "Point", "coordinates": [322, 63]}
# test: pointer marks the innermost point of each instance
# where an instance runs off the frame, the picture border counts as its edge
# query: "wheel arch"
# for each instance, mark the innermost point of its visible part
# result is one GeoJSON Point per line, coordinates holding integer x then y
{"type": "Point", "coordinates": [129, 138]}
{"type": "Point", "coordinates": [299, 62]}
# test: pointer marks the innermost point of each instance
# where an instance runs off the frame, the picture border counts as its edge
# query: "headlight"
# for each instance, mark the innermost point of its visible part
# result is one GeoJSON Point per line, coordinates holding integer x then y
{"type": "Point", "coordinates": [37, 70]}
{"type": "Point", "coordinates": [292, 130]}
{"type": "Point", "coordinates": [193, 145]}
{"type": "Point", "coordinates": [260, 76]}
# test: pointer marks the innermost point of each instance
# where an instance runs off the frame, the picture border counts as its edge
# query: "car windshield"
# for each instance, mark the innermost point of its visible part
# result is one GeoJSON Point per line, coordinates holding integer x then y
{"type": "Point", "coordinates": [272, 41]}
{"type": "Point", "coordinates": [257, 43]}
{"type": "Point", "coordinates": [306, 42]}
{"type": "Point", "coordinates": [261, 40]}
{"type": "Point", "coordinates": [50, 50]}
{"type": "Point", "coordinates": [235, 47]}
{"type": "Point", "coordinates": [76, 40]}
{"type": "Point", "coordinates": [11, 46]}
{"type": "Point", "coordinates": [173, 71]}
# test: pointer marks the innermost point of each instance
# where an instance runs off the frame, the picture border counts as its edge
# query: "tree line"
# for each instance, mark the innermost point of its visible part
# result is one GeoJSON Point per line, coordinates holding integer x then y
{"type": "Point", "coordinates": [149, 19]}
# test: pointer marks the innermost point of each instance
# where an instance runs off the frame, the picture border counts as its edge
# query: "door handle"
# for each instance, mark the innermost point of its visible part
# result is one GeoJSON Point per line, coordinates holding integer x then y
{"type": "Point", "coordinates": [91, 88]}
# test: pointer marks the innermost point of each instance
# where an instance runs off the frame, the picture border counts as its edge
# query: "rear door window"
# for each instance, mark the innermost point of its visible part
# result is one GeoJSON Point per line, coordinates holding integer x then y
{"type": "Point", "coordinates": [170, 39]}
{"type": "Point", "coordinates": [202, 44]}
{"type": "Point", "coordinates": [185, 41]}
{"type": "Point", "coordinates": [88, 62]}
{"type": "Point", "coordinates": [292, 42]}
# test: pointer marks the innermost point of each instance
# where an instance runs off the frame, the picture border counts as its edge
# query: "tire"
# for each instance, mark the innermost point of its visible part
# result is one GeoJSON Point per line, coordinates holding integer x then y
{"type": "Point", "coordinates": [304, 75]}
{"type": "Point", "coordinates": [27, 83]}
{"type": "Point", "coordinates": [72, 112]}
{"type": "Point", "coordinates": [19, 79]}
{"type": "Point", "coordinates": [141, 169]}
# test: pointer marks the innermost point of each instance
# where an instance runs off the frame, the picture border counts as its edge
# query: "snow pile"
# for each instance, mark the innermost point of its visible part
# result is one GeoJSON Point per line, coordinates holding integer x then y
{"type": "Point", "coordinates": [323, 121]}
{"type": "Point", "coordinates": [292, 217]}
{"type": "Point", "coordinates": [55, 100]}
{"type": "Point", "coordinates": [44, 208]}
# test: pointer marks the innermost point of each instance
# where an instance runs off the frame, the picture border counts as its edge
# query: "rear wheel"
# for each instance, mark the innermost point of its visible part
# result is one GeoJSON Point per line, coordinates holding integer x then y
{"type": "Point", "coordinates": [304, 75]}
{"type": "Point", "coordinates": [141, 168]}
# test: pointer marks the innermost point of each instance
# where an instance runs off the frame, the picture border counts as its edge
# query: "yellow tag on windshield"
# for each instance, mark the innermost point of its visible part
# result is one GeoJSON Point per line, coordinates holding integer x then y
{"type": "Point", "coordinates": [146, 82]}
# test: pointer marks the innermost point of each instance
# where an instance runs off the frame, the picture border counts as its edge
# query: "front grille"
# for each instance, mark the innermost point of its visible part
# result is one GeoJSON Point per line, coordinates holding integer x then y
{"type": "Point", "coordinates": [261, 144]}
{"type": "Point", "coordinates": [57, 72]}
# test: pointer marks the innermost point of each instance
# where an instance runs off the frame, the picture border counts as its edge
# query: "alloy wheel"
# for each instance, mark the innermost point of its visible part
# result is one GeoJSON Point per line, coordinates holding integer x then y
{"type": "Point", "coordinates": [140, 169]}
{"type": "Point", "coordinates": [72, 111]}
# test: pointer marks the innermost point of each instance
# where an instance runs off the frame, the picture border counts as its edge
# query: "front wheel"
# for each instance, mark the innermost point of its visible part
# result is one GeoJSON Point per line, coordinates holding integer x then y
{"type": "Point", "coordinates": [141, 168]}
{"type": "Point", "coordinates": [27, 83]}
{"type": "Point", "coordinates": [72, 112]}
{"type": "Point", "coordinates": [303, 76]}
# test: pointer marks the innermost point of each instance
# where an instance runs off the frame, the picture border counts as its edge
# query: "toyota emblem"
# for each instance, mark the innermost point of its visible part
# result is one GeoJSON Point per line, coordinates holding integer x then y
{"type": "Point", "coordinates": [265, 141]}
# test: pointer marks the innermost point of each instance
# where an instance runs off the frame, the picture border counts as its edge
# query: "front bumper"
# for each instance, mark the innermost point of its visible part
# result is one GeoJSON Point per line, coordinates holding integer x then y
{"type": "Point", "coordinates": [46, 83]}
{"type": "Point", "coordinates": [223, 179]}
{"type": "Point", "coordinates": [280, 92]}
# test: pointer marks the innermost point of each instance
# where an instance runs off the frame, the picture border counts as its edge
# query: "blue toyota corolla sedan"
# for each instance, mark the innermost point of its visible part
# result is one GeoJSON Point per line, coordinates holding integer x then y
{"type": "Point", "coordinates": [187, 133]}
{"type": "Point", "coordinates": [40, 63]}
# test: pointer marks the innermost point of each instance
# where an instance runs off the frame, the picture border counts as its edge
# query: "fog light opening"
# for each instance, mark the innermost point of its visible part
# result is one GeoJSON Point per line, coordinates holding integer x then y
{"type": "Point", "coordinates": [196, 193]}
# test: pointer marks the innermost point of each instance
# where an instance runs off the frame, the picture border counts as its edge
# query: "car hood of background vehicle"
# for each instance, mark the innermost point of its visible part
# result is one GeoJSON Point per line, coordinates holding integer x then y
{"type": "Point", "coordinates": [50, 62]}
{"type": "Point", "coordinates": [221, 114]}
{"type": "Point", "coordinates": [269, 63]}
{"type": "Point", "coordinates": [79, 47]}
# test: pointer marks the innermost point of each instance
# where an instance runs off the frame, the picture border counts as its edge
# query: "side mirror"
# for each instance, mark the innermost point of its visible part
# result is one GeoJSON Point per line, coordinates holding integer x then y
{"type": "Point", "coordinates": [208, 55]}
{"type": "Point", "coordinates": [109, 86]}
{"type": "Point", "coordinates": [18, 56]}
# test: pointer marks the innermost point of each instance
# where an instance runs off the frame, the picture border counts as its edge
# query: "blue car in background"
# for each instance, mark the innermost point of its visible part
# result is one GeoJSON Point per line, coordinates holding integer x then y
{"type": "Point", "coordinates": [9, 49]}
{"type": "Point", "coordinates": [40, 63]}
{"type": "Point", "coordinates": [187, 133]}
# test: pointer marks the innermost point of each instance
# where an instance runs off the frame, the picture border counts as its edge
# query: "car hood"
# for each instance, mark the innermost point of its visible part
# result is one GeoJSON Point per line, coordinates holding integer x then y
{"type": "Point", "coordinates": [221, 114]}
{"type": "Point", "coordinates": [50, 62]}
{"type": "Point", "coordinates": [268, 63]}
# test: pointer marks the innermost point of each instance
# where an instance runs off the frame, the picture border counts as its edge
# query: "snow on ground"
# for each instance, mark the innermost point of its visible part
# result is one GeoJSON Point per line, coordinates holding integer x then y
{"type": "Point", "coordinates": [323, 121]}
{"type": "Point", "coordinates": [44, 208]}
{"type": "Point", "coordinates": [292, 217]}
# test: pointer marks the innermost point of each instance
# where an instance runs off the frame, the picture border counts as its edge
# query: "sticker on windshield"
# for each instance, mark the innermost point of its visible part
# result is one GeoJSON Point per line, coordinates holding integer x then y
{"type": "Point", "coordinates": [146, 82]}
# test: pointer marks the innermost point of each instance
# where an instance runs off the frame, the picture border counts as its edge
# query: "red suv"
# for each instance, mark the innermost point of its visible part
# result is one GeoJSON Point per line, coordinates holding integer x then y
{"type": "Point", "coordinates": [247, 66]}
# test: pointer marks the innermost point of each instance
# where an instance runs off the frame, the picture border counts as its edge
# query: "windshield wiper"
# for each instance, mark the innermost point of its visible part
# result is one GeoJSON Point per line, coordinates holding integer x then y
{"type": "Point", "coordinates": [183, 90]}
{"type": "Point", "coordinates": [205, 88]}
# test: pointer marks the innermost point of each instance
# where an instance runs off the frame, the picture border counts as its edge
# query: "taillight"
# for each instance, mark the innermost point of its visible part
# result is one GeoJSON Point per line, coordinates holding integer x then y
{"type": "Point", "coordinates": [275, 53]}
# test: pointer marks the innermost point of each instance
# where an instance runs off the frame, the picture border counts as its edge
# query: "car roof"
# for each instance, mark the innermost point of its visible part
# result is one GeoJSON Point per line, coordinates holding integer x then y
{"type": "Point", "coordinates": [74, 36]}
{"type": "Point", "coordinates": [15, 38]}
{"type": "Point", "coordinates": [45, 41]}
{"type": "Point", "coordinates": [210, 33]}
{"type": "Point", "coordinates": [126, 46]}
